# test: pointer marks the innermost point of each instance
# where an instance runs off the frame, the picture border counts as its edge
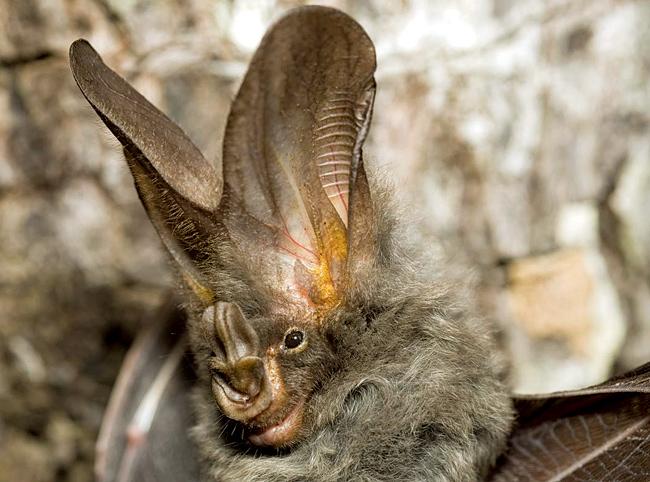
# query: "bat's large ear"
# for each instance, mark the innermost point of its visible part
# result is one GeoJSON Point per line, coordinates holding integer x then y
{"type": "Point", "coordinates": [180, 190]}
{"type": "Point", "coordinates": [292, 151]}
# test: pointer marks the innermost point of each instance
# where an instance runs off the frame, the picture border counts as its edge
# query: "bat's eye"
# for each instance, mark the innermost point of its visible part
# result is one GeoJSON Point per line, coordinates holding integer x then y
{"type": "Point", "coordinates": [293, 339]}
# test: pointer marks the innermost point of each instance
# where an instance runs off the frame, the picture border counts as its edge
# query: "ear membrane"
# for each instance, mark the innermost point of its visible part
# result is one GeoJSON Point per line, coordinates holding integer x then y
{"type": "Point", "coordinates": [292, 153]}
{"type": "Point", "coordinates": [180, 190]}
{"type": "Point", "coordinates": [183, 228]}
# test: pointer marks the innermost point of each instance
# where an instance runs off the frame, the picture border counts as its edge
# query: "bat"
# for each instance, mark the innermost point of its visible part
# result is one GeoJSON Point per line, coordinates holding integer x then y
{"type": "Point", "coordinates": [595, 433]}
{"type": "Point", "coordinates": [326, 346]}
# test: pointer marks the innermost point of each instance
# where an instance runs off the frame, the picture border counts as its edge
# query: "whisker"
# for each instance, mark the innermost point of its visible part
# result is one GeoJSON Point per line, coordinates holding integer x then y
{"type": "Point", "coordinates": [334, 163]}
{"type": "Point", "coordinates": [335, 194]}
{"type": "Point", "coordinates": [334, 173]}
{"type": "Point", "coordinates": [334, 124]}
{"type": "Point", "coordinates": [336, 134]}
{"type": "Point", "coordinates": [347, 115]}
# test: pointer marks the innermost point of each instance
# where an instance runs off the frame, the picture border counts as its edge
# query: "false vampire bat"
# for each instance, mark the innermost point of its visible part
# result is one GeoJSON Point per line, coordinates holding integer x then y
{"type": "Point", "coordinates": [326, 345]}
{"type": "Point", "coordinates": [596, 433]}
{"type": "Point", "coordinates": [325, 349]}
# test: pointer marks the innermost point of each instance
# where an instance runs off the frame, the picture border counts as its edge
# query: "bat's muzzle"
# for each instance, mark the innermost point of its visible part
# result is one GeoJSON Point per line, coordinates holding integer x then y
{"type": "Point", "coordinates": [240, 384]}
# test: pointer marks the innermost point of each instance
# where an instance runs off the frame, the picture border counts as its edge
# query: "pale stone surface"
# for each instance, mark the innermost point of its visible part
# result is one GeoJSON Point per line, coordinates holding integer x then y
{"type": "Point", "coordinates": [577, 225]}
{"type": "Point", "coordinates": [568, 320]}
{"type": "Point", "coordinates": [631, 202]}
{"type": "Point", "coordinates": [517, 130]}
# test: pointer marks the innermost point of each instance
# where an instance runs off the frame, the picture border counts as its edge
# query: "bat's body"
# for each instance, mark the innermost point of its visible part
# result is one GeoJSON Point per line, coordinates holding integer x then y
{"type": "Point", "coordinates": [326, 350]}
{"type": "Point", "coordinates": [410, 394]}
{"type": "Point", "coordinates": [327, 347]}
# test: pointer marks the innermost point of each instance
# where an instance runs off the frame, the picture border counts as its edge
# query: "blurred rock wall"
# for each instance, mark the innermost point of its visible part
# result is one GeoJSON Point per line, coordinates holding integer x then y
{"type": "Point", "coordinates": [518, 131]}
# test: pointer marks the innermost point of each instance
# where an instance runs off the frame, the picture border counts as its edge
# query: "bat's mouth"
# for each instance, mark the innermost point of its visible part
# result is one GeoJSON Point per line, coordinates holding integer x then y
{"type": "Point", "coordinates": [281, 433]}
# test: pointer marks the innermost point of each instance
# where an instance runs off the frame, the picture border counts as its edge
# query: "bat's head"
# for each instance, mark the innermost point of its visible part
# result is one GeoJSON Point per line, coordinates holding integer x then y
{"type": "Point", "coordinates": [271, 251]}
{"type": "Point", "coordinates": [264, 370]}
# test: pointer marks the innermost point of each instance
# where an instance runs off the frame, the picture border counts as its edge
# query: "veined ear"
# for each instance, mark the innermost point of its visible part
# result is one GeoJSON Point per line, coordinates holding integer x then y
{"type": "Point", "coordinates": [292, 151]}
{"type": "Point", "coordinates": [180, 190]}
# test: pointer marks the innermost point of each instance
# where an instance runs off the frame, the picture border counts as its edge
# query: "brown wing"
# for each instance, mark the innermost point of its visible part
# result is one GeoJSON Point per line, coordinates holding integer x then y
{"type": "Point", "coordinates": [598, 433]}
{"type": "Point", "coordinates": [144, 434]}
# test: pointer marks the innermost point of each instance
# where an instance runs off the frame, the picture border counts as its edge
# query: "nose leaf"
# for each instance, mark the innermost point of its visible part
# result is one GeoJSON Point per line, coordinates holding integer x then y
{"type": "Point", "coordinates": [235, 332]}
{"type": "Point", "coordinates": [240, 382]}
{"type": "Point", "coordinates": [247, 376]}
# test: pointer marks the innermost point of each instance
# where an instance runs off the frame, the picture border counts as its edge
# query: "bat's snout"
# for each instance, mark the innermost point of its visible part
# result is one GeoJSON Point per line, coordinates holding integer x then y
{"type": "Point", "coordinates": [242, 392]}
{"type": "Point", "coordinates": [239, 381]}
{"type": "Point", "coordinates": [244, 379]}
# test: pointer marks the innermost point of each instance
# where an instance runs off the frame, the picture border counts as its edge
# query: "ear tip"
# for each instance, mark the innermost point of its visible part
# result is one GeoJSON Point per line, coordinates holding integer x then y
{"type": "Point", "coordinates": [82, 55]}
{"type": "Point", "coordinates": [81, 48]}
{"type": "Point", "coordinates": [319, 11]}
{"type": "Point", "coordinates": [307, 16]}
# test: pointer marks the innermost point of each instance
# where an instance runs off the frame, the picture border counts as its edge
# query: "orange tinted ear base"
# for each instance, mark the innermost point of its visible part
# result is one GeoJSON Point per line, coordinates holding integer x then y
{"type": "Point", "coordinates": [329, 276]}
{"type": "Point", "coordinates": [204, 294]}
{"type": "Point", "coordinates": [163, 206]}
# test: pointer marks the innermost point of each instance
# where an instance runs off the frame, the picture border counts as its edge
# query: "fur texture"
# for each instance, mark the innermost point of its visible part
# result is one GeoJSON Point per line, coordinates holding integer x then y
{"type": "Point", "coordinates": [411, 388]}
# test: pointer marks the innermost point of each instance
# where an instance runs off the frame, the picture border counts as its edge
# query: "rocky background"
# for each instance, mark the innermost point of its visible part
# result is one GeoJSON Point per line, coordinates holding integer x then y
{"type": "Point", "coordinates": [519, 131]}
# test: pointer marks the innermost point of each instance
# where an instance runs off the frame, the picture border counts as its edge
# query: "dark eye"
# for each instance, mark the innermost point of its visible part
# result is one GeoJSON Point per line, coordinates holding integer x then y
{"type": "Point", "coordinates": [293, 339]}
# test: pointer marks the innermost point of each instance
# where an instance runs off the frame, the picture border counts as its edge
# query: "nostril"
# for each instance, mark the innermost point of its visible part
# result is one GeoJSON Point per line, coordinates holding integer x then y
{"type": "Point", "coordinates": [231, 393]}
{"type": "Point", "coordinates": [241, 393]}
{"type": "Point", "coordinates": [241, 389]}
{"type": "Point", "coordinates": [253, 388]}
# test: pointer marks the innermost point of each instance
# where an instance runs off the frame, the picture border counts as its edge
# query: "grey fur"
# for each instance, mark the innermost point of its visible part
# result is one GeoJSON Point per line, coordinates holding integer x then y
{"type": "Point", "coordinates": [397, 379]}
{"type": "Point", "coordinates": [414, 393]}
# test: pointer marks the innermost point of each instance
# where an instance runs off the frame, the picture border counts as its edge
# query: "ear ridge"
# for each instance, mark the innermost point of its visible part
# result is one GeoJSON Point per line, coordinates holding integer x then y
{"type": "Point", "coordinates": [292, 149]}
{"type": "Point", "coordinates": [362, 231]}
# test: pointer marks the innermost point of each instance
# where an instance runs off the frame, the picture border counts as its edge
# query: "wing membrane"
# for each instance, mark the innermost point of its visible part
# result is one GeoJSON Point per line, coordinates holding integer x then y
{"type": "Point", "coordinates": [598, 433]}
{"type": "Point", "coordinates": [144, 434]}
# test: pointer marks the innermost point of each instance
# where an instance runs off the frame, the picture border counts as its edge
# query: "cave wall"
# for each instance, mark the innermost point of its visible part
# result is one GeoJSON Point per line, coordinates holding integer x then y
{"type": "Point", "coordinates": [518, 132]}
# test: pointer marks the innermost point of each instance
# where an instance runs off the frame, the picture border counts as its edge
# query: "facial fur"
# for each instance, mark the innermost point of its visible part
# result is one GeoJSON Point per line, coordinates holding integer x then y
{"type": "Point", "coordinates": [402, 383]}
